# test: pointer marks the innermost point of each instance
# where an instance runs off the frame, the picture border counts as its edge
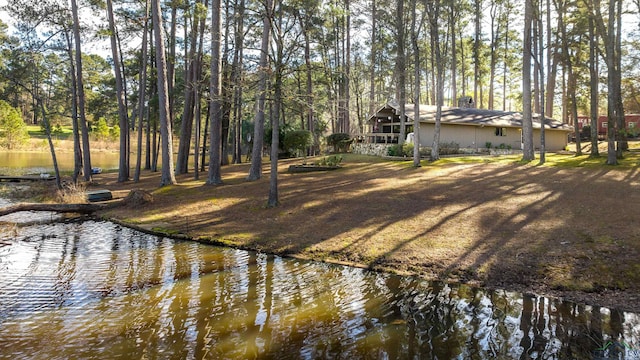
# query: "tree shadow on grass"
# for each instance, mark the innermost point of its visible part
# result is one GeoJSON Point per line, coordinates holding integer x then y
{"type": "Point", "coordinates": [499, 225]}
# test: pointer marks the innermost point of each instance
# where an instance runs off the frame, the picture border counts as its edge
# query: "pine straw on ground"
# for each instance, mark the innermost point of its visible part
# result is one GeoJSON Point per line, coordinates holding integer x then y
{"type": "Point", "coordinates": [556, 231]}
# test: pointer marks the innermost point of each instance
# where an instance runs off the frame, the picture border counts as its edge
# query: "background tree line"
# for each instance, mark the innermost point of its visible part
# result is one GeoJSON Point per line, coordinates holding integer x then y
{"type": "Point", "coordinates": [223, 76]}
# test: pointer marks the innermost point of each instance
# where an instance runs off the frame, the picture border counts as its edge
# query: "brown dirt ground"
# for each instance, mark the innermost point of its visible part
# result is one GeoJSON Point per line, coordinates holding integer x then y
{"type": "Point", "coordinates": [554, 231]}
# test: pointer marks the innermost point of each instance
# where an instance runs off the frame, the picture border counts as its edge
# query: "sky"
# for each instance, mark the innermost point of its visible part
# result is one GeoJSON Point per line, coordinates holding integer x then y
{"type": "Point", "coordinates": [5, 17]}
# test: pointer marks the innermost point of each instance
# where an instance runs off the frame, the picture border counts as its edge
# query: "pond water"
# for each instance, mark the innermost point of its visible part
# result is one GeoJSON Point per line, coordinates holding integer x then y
{"type": "Point", "coordinates": [35, 162]}
{"type": "Point", "coordinates": [94, 289]}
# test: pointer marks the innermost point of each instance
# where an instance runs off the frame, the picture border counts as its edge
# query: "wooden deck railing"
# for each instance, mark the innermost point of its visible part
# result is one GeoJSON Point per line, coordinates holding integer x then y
{"type": "Point", "coordinates": [381, 138]}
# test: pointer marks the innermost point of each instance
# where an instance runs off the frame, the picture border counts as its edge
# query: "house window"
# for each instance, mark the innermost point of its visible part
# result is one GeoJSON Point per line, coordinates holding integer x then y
{"type": "Point", "coordinates": [501, 131]}
{"type": "Point", "coordinates": [605, 124]}
{"type": "Point", "coordinates": [631, 125]}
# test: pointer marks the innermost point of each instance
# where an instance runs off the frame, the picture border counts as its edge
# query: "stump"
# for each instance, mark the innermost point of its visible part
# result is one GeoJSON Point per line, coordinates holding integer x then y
{"type": "Point", "coordinates": [138, 197]}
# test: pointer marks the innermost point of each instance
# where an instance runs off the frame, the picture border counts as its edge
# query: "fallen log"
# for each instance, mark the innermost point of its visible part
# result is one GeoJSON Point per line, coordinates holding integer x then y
{"type": "Point", "coordinates": [61, 208]}
{"type": "Point", "coordinates": [134, 198]}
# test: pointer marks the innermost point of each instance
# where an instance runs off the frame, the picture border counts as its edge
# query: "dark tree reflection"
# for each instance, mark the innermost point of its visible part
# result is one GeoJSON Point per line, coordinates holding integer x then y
{"type": "Point", "coordinates": [98, 288]}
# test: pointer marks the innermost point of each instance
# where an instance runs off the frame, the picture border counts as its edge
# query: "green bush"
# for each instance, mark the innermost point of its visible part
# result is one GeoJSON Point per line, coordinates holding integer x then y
{"type": "Point", "coordinates": [405, 150]}
{"type": "Point", "coordinates": [339, 141]}
{"type": "Point", "coordinates": [268, 136]}
{"type": "Point", "coordinates": [629, 132]}
{"type": "Point", "coordinates": [449, 148]}
{"type": "Point", "coordinates": [101, 129]}
{"type": "Point", "coordinates": [425, 152]}
{"type": "Point", "coordinates": [13, 130]}
{"type": "Point", "coordinates": [394, 150]}
{"type": "Point", "coordinates": [114, 132]}
{"type": "Point", "coordinates": [297, 141]}
{"type": "Point", "coordinates": [333, 160]}
{"type": "Point", "coordinates": [57, 130]}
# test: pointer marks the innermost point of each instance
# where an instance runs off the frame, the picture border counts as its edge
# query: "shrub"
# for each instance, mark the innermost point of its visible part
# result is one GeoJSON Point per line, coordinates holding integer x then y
{"type": "Point", "coordinates": [72, 194]}
{"type": "Point", "coordinates": [449, 148]}
{"type": "Point", "coordinates": [394, 150]}
{"type": "Point", "coordinates": [629, 133]}
{"type": "Point", "coordinates": [333, 160]}
{"type": "Point", "coordinates": [268, 136]}
{"type": "Point", "coordinates": [405, 150]}
{"type": "Point", "coordinates": [57, 129]}
{"type": "Point", "coordinates": [114, 132]}
{"type": "Point", "coordinates": [339, 141]}
{"type": "Point", "coordinates": [13, 130]}
{"type": "Point", "coordinates": [101, 129]}
{"type": "Point", "coordinates": [297, 141]}
{"type": "Point", "coordinates": [487, 144]}
{"type": "Point", "coordinates": [425, 152]}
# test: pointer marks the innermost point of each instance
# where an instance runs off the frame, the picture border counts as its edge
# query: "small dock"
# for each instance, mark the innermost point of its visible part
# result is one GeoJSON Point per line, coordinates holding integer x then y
{"type": "Point", "coordinates": [22, 178]}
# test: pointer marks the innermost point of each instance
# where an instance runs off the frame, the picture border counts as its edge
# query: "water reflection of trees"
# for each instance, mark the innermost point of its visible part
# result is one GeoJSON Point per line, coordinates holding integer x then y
{"type": "Point", "coordinates": [153, 297]}
{"type": "Point", "coordinates": [325, 311]}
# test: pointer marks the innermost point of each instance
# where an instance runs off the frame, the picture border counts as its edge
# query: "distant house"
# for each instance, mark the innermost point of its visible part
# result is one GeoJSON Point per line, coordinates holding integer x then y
{"type": "Point", "coordinates": [631, 121]}
{"type": "Point", "coordinates": [468, 127]}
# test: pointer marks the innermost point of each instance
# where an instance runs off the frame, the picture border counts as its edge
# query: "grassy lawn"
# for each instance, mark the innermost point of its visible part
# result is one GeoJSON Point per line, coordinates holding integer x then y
{"type": "Point", "coordinates": [567, 159]}
{"type": "Point", "coordinates": [61, 133]}
{"type": "Point", "coordinates": [565, 228]}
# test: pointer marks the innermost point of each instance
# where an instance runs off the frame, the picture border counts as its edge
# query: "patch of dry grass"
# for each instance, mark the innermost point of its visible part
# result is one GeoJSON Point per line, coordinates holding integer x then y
{"type": "Point", "coordinates": [72, 193]}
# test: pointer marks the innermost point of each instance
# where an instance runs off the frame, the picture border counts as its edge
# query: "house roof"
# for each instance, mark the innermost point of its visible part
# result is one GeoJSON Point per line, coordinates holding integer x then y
{"type": "Point", "coordinates": [473, 117]}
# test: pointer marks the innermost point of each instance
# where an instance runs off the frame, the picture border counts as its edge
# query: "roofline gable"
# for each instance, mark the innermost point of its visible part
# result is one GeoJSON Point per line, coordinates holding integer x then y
{"type": "Point", "coordinates": [471, 117]}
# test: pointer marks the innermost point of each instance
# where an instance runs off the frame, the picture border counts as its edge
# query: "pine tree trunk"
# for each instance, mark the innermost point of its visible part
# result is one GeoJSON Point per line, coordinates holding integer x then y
{"type": "Point", "coordinates": [186, 125]}
{"type": "Point", "coordinates": [77, 150]}
{"type": "Point", "coordinates": [400, 69]}
{"type": "Point", "coordinates": [433, 13]}
{"type": "Point", "coordinates": [152, 89]}
{"type": "Point", "coordinates": [611, 40]}
{"type": "Point", "coordinates": [568, 63]}
{"type": "Point", "coordinates": [167, 177]}
{"type": "Point", "coordinates": [171, 62]}
{"type": "Point", "coordinates": [199, 165]}
{"type": "Point", "coordinates": [236, 81]}
{"type": "Point", "coordinates": [142, 92]}
{"type": "Point", "coordinates": [593, 85]}
{"type": "Point", "coordinates": [47, 126]}
{"type": "Point", "coordinates": [123, 167]}
{"type": "Point", "coordinates": [415, 29]}
{"type": "Point", "coordinates": [214, 177]}
{"type": "Point", "coordinates": [528, 153]}
{"type": "Point", "coordinates": [347, 71]}
{"type": "Point", "coordinates": [541, 75]}
{"type": "Point", "coordinates": [477, 97]}
{"type": "Point", "coordinates": [493, 58]}
{"type": "Point", "coordinates": [86, 150]}
{"type": "Point", "coordinates": [454, 55]}
{"type": "Point", "coordinates": [255, 172]}
{"type": "Point", "coordinates": [373, 59]}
